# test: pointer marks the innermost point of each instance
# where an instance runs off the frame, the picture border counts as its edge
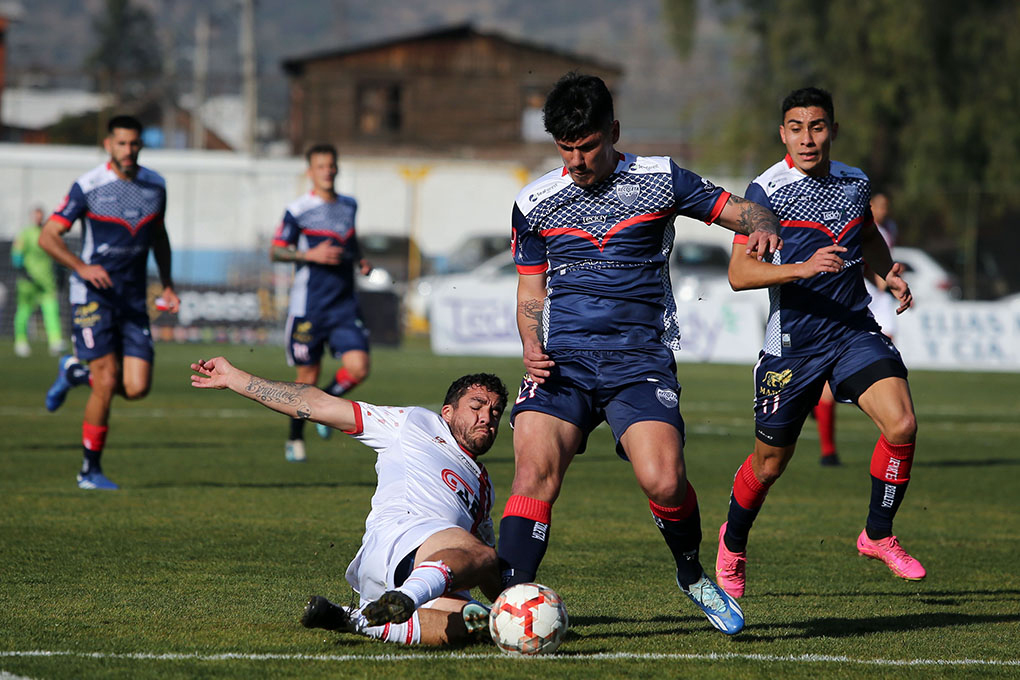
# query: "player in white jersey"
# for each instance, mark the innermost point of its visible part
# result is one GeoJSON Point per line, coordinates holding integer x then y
{"type": "Point", "coordinates": [429, 538]}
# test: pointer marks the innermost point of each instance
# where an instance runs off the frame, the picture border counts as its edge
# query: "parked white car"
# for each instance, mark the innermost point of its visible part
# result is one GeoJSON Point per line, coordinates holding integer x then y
{"type": "Point", "coordinates": [928, 280]}
{"type": "Point", "coordinates": [419, 292]}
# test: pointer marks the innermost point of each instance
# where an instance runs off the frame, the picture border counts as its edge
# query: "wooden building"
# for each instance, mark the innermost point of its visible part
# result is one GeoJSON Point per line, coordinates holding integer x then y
{"type": "Point", "coordinates": [456, 90]}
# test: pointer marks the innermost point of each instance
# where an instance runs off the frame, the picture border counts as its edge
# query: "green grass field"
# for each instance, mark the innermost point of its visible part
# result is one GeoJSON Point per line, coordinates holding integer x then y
{"type": "Point", "coordinates": [200, 565]}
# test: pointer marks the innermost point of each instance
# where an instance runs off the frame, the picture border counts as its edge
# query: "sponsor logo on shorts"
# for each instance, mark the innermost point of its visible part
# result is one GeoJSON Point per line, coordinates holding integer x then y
{"type": "Point", "coordinates": [87, 315]}
{"type": "Point", "coordinates": [667, 397]}
{"type": "Point", "coordinates": [302, 332]}
{"type": "Point", "coordinates": [627, 193]}
{"type": "Point", "coordinates": [778, 379]}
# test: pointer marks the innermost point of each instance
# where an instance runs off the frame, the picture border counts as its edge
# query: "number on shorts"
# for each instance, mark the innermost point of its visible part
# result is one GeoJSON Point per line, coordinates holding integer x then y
{"type": "Point", "coordinates": [86, 335]}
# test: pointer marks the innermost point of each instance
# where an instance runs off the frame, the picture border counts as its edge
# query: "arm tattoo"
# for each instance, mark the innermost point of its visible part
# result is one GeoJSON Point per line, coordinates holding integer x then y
{"type": "Point", "coordinates": [533, 309]}
{"type": "Point", "coordinates": [754, 217]}
{"type": "Point", "coordinates": [274, 392]}
{"type": "Point", "coordinates": [287, 254]}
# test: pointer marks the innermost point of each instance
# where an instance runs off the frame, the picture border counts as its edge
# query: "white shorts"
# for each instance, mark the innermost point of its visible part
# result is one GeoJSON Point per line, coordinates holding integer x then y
{"type": "Point", "coordinates": [371, 573]}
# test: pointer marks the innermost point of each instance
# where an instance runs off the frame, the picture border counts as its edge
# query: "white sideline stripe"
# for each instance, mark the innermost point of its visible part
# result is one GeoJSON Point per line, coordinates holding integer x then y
{"type": "Point", "coordinates": [4, 675]}
{"type": "Point", "coordinates": [460, 656]}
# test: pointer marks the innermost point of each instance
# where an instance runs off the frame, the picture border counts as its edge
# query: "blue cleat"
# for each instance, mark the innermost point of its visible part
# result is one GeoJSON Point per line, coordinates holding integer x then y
{"type": "Point", "coordinates": [95, 480]}
{"type": "Point", "coordinates": [722, 610]}
{"type": "Point", "coordinates": [61, 386]}
{"type": "Point", "coordinates": [325, 431]}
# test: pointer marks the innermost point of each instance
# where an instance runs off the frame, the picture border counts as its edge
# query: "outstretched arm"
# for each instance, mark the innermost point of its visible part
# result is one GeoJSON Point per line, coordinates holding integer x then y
{"type": "Point", "coordinates": [756, 221]}
{"type": "Point", "coordinates": [291, 399]}
{"type": "Point", "coordinates": [747, 272]}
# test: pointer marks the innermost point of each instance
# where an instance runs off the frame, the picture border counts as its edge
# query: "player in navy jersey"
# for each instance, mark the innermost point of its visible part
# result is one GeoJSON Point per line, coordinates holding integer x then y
{"type": "Point", "coordinates": [317, 233]}
{"type": "Point", "coordinates": [596, 315]}
{"type": "Point", "coordinates": [121, 206]}
{"type": "Point", "coordinates": [820, 331]}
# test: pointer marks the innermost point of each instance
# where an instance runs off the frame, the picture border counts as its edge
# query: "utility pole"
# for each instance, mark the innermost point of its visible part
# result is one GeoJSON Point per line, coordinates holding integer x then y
{"type": "Point", "coordinates": [200, 72]}
{"type": "Point", "coordinates": [248, 75]}
{"type": "Point", "coordinates": [169, 93]}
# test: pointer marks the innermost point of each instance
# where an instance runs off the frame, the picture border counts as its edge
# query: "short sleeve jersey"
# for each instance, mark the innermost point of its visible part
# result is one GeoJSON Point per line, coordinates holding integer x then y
{"type": "Point", "coordinates": [606, 249]}
{"type": "Point", "coordinates": [118, 219]}
{"type": "Point", "coordinates": [422, 470]}
{"type": "Point", "coordinates": [807, 315]}
{"type": "Point", "coordinates": [321, 291]}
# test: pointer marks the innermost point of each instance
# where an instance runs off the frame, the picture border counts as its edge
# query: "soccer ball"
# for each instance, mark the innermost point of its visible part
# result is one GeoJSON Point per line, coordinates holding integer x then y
{"type": "Point", "coordinates": [528, 619]}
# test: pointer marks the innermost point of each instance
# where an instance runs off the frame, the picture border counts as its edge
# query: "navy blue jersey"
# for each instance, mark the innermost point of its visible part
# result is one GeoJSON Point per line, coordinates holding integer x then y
{"type": "Point", "coordinates": [814, 212]}
{"type": "Point", "coordinates": [118, 217]}
{"type": "Point", "coordinates": [321, 291]}
{"type": "Point", "coordinates": [606, 249]}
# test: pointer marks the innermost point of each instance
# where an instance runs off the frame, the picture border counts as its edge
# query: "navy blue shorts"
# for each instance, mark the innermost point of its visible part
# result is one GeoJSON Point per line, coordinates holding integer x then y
{"type": "Point", "coordinates": [306, 338]}
{"type": "Point", "coordinates": [98, 329]}
{"type": "Point", "coordinates": [787, 388]}
{"type": "Point", "coordinates": [621, 387]}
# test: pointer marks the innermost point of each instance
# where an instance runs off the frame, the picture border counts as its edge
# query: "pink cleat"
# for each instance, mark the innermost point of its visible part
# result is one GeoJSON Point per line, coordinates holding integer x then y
{"type": "Point", "coordinates": [895, 557]}
{"type": "Point", "coordinates": [730, 567]}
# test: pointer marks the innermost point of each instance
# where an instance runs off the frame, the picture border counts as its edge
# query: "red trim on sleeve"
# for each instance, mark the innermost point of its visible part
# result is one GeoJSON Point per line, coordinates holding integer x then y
{"type": "Point", "coordinates": [718, 207]}
{"type": "Point", "coordinates": [528, 508]}
{"type": "Point", "coordinates": [532, 268]}
{"type": "Point", "coordinates": [280, 242]}
{"type": "Point", "coordinates": [359, 423]}
{"type": "Point", "coordinates": [63, 220]}
{"type": "Point", "coordinates": [739, 239]}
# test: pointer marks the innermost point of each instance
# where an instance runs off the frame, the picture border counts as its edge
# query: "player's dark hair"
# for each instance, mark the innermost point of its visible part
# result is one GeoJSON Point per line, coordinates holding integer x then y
{"type": "Point", "coordinates": [487, 380]}
{"type": "Point", "coordinates": [321, 148]}
{"type": "Point", "coordinates": [810, 96]}
{"type": "Point", "coordinates": [124, 123]}
{"type": "Point", "coordinates": [577, 106]}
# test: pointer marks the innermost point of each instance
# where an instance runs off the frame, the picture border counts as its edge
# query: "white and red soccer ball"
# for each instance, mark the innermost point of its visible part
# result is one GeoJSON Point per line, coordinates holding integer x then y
{"type": "Point", "coordinates": [528, 619]}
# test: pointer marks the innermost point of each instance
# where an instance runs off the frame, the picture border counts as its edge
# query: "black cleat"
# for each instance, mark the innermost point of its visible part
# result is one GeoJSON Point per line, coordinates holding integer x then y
{"type": "Point", "coordinates": [831, 460]}
{"type": "Point", "coordinates": [392, 607]}
{"type": "Point", "coordinates": [321, 613]}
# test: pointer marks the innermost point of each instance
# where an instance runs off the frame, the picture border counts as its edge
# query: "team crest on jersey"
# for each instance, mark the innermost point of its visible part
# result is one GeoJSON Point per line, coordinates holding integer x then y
{"type": "Point", "coordinates": [627, 193]}
{"type": "Point", "coordinates": [851, 192]}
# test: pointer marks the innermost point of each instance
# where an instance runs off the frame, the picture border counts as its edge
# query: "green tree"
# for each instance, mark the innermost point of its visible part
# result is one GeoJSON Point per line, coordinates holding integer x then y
{"type": "Point", "coordinates": [126, 59]}
{"type": "Point", "coordinates": [925, 93]}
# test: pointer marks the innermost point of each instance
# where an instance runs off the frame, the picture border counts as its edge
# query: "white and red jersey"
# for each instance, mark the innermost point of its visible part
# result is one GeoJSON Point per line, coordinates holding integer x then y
{"type": "Point", "coordinates": [426, 480]}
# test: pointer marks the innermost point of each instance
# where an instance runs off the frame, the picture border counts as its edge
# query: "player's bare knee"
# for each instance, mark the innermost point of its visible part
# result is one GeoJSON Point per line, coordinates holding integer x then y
{"type": "Point", "coordinates": [132, 392]}
{"type": "Point", "coordinates": [358, 372]}
{"type": "Point", "coordinates": [665, 491]}
{"type": "Point", "coordinates": [903, 430]}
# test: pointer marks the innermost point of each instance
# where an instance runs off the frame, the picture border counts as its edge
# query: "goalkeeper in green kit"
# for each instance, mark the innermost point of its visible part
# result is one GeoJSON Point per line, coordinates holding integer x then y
{"type": "Point", "coordinates": [36, 286]}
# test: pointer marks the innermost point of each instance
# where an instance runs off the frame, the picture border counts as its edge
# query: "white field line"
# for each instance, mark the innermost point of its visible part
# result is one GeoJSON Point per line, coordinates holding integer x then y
{"type": "Point", "coordinates": [460, 656]}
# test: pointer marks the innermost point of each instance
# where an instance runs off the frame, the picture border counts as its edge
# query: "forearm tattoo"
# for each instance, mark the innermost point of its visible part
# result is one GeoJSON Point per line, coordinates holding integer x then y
{"type": "Point", "coordinates": [533, 311]}
{"type": "Point", "coordinates": [283, 393]}
{"type": "Point", "coordinates": [754, 217]}
{"type": "Point", "coordinates": [288, 254]}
